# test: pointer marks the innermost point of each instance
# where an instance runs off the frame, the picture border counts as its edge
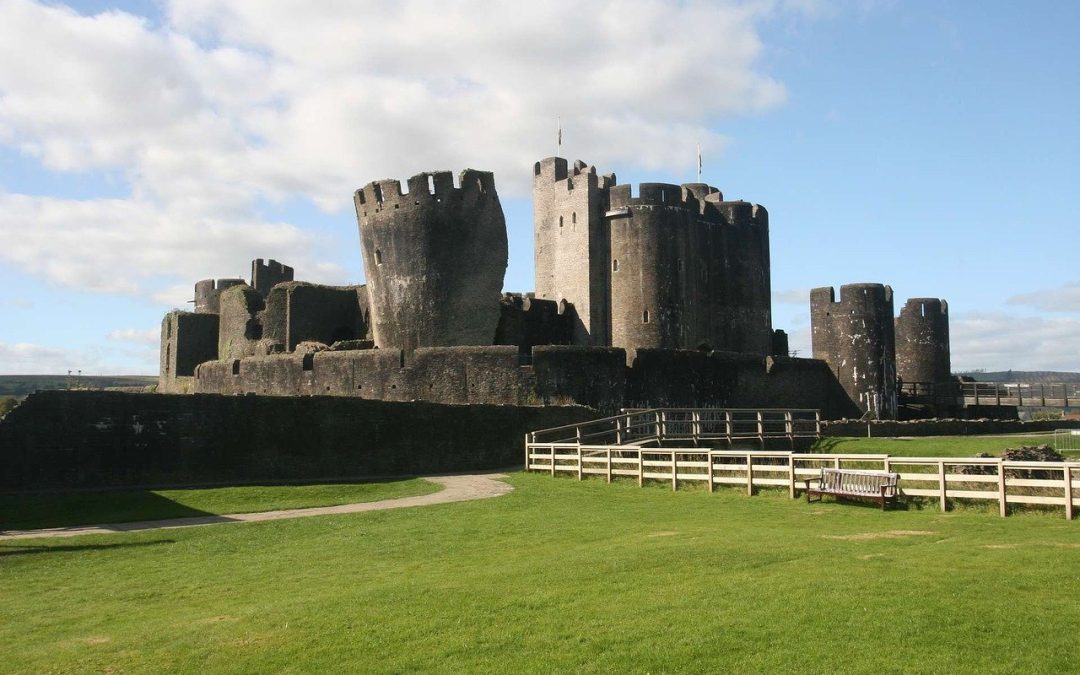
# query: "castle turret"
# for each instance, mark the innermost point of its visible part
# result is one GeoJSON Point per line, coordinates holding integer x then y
{"type": "Point", "coordinates": [572, 244]}
{"type": "Point", "coordinates": [434, 257]}
{"type": "Point", "coordinates": [855, 336]}
{"type": "Point", "coordinates": [922, 341]}
{"type": "Point", "coordinates": [265, 276]}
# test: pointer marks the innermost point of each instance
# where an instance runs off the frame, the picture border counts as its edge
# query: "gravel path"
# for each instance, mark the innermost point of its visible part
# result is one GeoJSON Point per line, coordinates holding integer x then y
{"type": "Point", "coordinates": [458, 488]}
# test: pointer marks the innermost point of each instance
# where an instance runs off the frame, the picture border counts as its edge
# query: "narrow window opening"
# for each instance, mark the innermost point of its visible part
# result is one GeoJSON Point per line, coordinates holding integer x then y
{"type": "Point", "coordinates": [236, 367]}
{"type": "Point", "coordinates": [645, 316]}
{"type": "Point", "coordinates": [168, 357]}
{"type": "Point", "coordinates": [615, 265]}
{"type": "Point", "coordinates": [378, 256]}
{"type": "Point", "coordinates": [309, 361]}
{"type": "Point", "coordinates": [378, 193]}
{"type": "Point", "coordinates": [573, 217]}
{"type": "Point", "coordinates": [922, 308]}
{"type": "Point", "coordinates": [431, 185]}
{"type": "Point", "coordinates": [560, 221]}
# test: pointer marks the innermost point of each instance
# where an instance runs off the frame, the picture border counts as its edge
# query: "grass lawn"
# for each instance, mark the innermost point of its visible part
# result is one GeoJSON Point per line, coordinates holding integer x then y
{"type": "Point", "coordinates": [87, 508]}
{"type": "Point", "coordinates": [559, 576]}
{"type": "Point", "coordinates": [933, 446]}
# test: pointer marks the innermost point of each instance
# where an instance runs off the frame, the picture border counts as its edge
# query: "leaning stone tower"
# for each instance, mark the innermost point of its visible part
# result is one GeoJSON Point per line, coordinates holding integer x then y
{"type": "Point", "coordinates": [434, 258]}
{"type": "Point", "coordinates": [922, 341]}
{"type": "Point", "coordinates": [855, 336]}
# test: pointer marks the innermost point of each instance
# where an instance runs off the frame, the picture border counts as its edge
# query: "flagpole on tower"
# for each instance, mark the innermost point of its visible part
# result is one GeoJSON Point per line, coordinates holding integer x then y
{"type": "Point", "coordinates": [699, 162]}
{"type": "Point", "coordinates": [558, 139]}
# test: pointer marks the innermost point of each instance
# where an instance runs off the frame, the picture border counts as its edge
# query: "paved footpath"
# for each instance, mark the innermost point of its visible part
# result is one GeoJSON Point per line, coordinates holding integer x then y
{"type": "Point", "coordinates": [458, 488]}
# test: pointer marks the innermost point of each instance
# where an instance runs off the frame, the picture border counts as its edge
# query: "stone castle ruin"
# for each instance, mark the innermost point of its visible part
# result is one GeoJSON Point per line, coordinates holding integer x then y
{"type": "Point", "coordinates": [658, 296]}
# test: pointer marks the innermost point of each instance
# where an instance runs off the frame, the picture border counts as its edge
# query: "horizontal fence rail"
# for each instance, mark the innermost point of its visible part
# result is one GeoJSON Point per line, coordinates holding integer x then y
{"type": "Point", "coordinates": [698, 426]}
{"type": "Point", "coordinates": [941, 478]}
{"type": "Point", "coordinates": [1040, 395]}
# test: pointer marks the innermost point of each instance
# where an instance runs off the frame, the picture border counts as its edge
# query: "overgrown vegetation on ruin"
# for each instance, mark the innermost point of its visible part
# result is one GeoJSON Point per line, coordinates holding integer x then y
{"type": "Point", "coordinates": [558, 576]}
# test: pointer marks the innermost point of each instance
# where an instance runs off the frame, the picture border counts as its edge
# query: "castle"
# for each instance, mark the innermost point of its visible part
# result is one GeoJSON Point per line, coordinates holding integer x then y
{"type": "Point", "coordinates": [662, 298]}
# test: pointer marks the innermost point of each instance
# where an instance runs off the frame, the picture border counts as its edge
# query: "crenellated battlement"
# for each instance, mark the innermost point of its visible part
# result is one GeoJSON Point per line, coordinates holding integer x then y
{"type": "Point", "coordinates": [700, 198]}
{"type": "Point", "coordinates": [423, 188]}
{"type": "Point", "coordinates": [925, 307]}
{"type": "Point", "coordinates": [556, 172]}
{"type": "Point", "coordinates": [852, 296]}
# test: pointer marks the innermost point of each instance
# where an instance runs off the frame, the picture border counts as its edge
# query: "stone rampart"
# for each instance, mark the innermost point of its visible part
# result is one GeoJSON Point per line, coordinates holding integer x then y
{"type": "Point", "coordinates": [89, 439]}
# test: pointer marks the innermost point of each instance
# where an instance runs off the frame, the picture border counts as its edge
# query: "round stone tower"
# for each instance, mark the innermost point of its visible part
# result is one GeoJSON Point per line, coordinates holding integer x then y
{"type": "Point", "coordinates": [922, 341]}
{"type": "Point", "coordinates": [434, 259]}
{"type": "Point", "coordinates": [688, 270]}
{"type": "Point", "coordinates": [855, 336]}
{"type": "Point", "coordinates": [208, 294]}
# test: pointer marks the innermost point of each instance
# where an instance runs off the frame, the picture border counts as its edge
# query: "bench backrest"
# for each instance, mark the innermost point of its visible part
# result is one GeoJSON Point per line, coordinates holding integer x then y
{"type": "Point", "coordinates": [857, 482]}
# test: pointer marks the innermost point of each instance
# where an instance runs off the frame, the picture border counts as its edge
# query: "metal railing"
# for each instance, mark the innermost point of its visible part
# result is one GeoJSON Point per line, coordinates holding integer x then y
{"type": "Point", "coordinates": [697, 425]}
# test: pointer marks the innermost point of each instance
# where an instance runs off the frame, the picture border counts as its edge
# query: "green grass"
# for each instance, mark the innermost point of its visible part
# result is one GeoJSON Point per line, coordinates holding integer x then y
{"type": "Point", "coordinates": [87, 508]}
{"type": "Point", "coordinates": [559, 576]}
{"type": "Point", "coordinates": [933, 446]}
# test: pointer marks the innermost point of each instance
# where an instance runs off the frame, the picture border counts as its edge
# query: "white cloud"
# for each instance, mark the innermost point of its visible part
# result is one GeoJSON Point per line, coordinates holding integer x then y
{"type": "Point", "coordinates": [228, 104]}
{"type": "Point", "coordinates": [793, 296]}
{"type": "Point", "coordinates": [1003, 341]}
{"type": "Point", "coordinates": [1065, 298]}
{"type": "Point", "coordinates": [149, 336]}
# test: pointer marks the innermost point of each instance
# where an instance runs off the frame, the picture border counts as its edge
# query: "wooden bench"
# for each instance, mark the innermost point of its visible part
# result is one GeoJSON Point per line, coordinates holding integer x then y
{"type": "Point", "coordinates": [849, 483]}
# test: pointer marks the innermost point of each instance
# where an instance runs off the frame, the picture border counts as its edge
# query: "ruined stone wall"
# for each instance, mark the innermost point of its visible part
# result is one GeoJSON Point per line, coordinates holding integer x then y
{"type": "Point", "coordinates": [922, 341]}
{"type": "Point", "coordinates": [526, 322]}
{"type": "Point", "coordinates": [855, 336]}
{"type": "Point", "coordinates": [571, 243]}
{"type": "Point", "coordinates": [187, 339]}
{"type": "Point", "coordinates": [89, 439]}
{"type": "Point", "coordinates": [434, 259]}
{"type": "Point", "coordinates": [208, 291]}
{"type": "Point", "coordinates": [240, 327]}
{"type": "Point", "coordinates": [297, 312]}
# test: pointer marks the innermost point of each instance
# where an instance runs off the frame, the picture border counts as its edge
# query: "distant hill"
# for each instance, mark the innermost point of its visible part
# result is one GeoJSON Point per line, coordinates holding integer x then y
{"type": "Point", "coordinates": [1029, 376]}
{"type": "Point", "coordinates": [21, 385]}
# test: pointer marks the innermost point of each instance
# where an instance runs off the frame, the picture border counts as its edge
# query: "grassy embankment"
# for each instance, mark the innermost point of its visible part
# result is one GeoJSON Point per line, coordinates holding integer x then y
{"type": "Point", "coordinates": [86, 508]}
{"type": "Point", "coordinates": [559, 576]}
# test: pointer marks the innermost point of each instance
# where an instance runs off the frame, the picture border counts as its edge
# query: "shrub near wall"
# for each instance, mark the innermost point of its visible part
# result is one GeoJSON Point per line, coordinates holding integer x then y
{"type": "Point", "coordinates": [88, 439]}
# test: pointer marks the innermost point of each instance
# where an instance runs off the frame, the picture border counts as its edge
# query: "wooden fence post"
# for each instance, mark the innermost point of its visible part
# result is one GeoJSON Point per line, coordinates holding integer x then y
{"type": "Point", "coordinates": [1003, 502]}
{"type": "Point", "coordinates": [709, 456]}
{"type": "Point", "coordinates": [1068, 493]}
{"type": "Point", "coordinates": [609, 465]}
{"type": "Point", "coordinates": [749, 474]}
{"type": "Point", "coordinates": [579, 467]}
{"type": "Point", "coordinates": [791, 475]}
{"type": "Point", "coordinates": [640, 468]}
{"type": "Point", "coordinates": [552, 461]}
{"type": "Point", "coordinates": [674, 472]}
{"type": "Point", "coordinates": [941, 484]}
{"type": "Point", "coordinates": [760, 430]}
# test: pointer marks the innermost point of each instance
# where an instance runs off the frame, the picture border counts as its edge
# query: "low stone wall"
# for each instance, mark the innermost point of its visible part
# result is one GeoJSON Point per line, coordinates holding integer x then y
{"type": "Point", "coordinates": [93, 439]}
{"type": "Point", "coordinates": [944, 427]}
{"type": "Point", "coordinates": [597, 377]}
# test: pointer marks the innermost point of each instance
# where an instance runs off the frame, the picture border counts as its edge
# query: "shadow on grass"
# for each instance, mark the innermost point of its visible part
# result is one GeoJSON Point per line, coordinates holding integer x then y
{"type": "Point", "coordinates": [35, 549]}
{"type": "Point", "coordinates": [37, 511]}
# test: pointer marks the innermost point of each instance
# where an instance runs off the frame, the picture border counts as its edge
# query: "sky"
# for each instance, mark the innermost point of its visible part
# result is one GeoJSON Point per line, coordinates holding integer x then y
{"type": "Point", "coordinates": [931, 146]}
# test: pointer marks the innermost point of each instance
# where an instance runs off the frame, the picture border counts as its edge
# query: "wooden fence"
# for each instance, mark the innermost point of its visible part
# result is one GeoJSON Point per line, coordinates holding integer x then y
{"type": "Point", "coordinates": [942, 478]}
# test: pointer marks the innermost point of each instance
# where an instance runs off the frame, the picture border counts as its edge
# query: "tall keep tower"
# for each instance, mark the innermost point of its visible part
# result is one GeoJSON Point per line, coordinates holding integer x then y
{"type": "Point", "coordinates": [434, 259]}
{"type": "Point", "coordinates": [922, 341]}
{"type": "Point", "coordinates": [571, 243]}
{"type": "Point", "coordinates": [855, 336]}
